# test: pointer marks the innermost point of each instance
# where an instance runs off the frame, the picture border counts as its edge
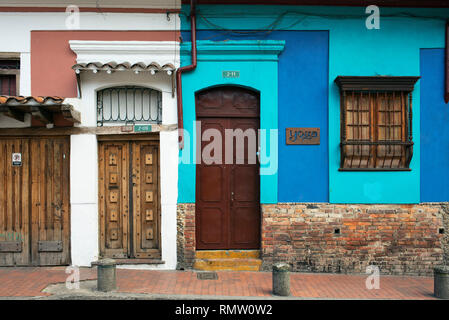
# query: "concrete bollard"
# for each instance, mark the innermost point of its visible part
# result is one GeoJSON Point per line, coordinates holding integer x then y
{"type": "Point", "coordinates": [281, 279]}
{"type": "Point", "coordinates": [106, 275]}
{"type": "Point", "coordinates": [441, 282]}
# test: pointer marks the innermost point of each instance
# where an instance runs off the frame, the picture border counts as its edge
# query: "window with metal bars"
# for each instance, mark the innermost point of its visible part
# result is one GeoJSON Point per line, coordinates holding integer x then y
{"type": "Point", "coordinates": [9, 76]}
{"type": "Point", "coordinates": [376, 123]}
{"type": "Point", "coordinates": [129, 105]}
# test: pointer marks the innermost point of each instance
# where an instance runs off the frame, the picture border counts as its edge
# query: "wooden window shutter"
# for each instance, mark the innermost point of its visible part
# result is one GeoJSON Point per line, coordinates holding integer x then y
{"type": "Point", "coordinates": [376, 122]}
{"type": "Point", "coordinates": [9, 76]}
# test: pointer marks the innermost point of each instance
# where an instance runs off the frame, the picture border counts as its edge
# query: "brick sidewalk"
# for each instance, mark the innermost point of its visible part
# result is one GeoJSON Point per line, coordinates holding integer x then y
{"type": "Point", "coordinates": [28, 282]}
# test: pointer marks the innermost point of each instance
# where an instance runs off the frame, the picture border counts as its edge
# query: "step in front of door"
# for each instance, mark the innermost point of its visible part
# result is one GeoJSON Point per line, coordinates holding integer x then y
{"type": "Point", "coordinates": [227, 260]}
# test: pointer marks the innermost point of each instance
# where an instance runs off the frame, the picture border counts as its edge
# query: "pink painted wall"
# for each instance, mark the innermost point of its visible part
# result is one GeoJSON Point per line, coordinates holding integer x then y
{"type": "Point", "coordinates": [52, 59]}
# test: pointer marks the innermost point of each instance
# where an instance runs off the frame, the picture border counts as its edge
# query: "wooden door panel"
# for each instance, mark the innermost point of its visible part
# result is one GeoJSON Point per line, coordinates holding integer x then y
{"type": "Point", "coordinates": [210, 190]}
{"type": "Point", "coordinates": [245, 190]}
{"type": "Point", "coordinates": [227, 102]}
{"type": "Point", "coordinates": [245, 144]}
{"type": "Point", "coordinates": [212, 197]}
{"type": "Point", "coordinates": [212, 213]}
{"type": "Point", "coordinates": [146, 222]}
{"type": "Point", "coordinates": [14, 204]}
{"type": "Point", "coordinates": [213, 233]}
{"type": "Point", "coordinates": [244, 230]}
{"type": "Point", "coordinates": [211, 153]}
{"type": "Point", "coordinates": [114, 198]}
{"type": "Point", "coordinates": [50, 219]}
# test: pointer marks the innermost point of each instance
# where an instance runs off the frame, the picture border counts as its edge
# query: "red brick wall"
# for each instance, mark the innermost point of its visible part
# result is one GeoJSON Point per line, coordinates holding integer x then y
{"type": "Point", "coordinates": [186, 235]}
{"type": "Point", "coordinates": [400, 239]}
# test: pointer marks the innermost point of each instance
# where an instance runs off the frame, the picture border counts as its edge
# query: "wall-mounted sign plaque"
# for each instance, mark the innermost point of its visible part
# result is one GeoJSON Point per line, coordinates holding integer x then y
{"type": "Point", "coordinates": [127, 128]}
{"type": "Point", "coordinates": [142, 128]}
{"type": "Point", "coordinates": [302, 135]}
{"type": "Point", "coordinates": [231, 74]}
{"type": "Point", "coordinates": [17, 159]}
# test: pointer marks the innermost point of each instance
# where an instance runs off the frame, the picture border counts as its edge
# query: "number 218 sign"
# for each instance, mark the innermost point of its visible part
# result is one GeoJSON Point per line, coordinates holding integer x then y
{"type": "Point", "coordinates": [17, 159]}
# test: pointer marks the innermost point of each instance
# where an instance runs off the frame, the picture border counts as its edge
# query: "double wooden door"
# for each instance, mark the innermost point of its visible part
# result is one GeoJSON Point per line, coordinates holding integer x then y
{"type": "Point", "coordinates": [34, 201]}
{"type": "Point", "coordinates": [129, 199]}
{"type": "Point", "coordinates": [227, 185]}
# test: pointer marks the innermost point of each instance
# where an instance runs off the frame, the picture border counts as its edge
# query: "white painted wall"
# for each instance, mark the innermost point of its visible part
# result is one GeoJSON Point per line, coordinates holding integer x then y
{"type": "Point", "coordinates": [25, 74]}
{"type": "Point", "coordinates": [84, 199]}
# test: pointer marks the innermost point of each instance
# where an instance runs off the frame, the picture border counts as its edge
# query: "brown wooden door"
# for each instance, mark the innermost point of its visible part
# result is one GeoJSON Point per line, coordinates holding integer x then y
{"type": "Point", "coordinates": [146, 207]}
{"type": "Point", "coordinates": [227, 194]}
{"type": "Point", "coordinates": [34, 203]}
{"type": "Point", "coordinates": [15, 200]}
{"type": "Point", "coordinates": [129, 199]}
{"type": "Point", "coordinates": [244, 186]}
{"type": "Point", "coordinates": [114, 201]}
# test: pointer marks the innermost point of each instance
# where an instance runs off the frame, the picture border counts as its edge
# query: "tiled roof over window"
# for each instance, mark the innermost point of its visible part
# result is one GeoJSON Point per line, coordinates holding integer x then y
{"type": "Point", "coordinates": [123, 66]}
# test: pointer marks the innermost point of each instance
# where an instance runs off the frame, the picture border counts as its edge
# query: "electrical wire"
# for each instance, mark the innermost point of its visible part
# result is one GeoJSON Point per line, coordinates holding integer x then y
{"type": "Point", "coordinates": [275, 25]}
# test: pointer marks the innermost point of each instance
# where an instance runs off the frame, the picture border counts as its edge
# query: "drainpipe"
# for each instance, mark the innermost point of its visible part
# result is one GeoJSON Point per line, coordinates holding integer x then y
{"type": "Point", "coordinates": [184, 69]}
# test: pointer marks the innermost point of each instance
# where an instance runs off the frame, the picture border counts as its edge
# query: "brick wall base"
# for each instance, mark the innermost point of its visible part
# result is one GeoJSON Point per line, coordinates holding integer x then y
{"type": "Point", "coordinates": [399, 239]}
{"type": "Point", "coordinates": [186, 235]}
{"type": "Point", "coordinates": [343, 238]}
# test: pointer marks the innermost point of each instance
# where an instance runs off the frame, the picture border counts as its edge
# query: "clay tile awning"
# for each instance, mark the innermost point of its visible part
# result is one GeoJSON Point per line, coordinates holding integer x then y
{"type": "Point", "coordinates": [113, 66]}
{"type": "Point", "coordinates": [152, 68]}
{"type": "Point", "coordinates": [47, 110]}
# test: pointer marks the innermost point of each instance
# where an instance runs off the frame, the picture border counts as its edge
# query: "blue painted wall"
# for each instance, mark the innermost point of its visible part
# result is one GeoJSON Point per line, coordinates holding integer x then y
{"type": "Point", "coordinates": [302, 102]}
{"type": "Point", "coordinates": [434, 128]}
{"type": "Point", "coordinates": [353, 51]}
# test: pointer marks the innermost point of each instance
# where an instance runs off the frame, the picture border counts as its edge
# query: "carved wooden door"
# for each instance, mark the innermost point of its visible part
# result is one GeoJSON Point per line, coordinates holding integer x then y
{"type": "Point", "coordinates": [129, 199]}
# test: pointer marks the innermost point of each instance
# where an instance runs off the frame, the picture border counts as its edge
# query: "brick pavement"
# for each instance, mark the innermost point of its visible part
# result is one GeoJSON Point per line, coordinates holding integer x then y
{"type": "Point", "coordinates": [31, 281]}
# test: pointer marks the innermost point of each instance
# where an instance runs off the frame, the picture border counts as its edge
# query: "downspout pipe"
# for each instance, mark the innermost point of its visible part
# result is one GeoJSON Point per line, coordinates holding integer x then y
{"type": "Point", "coordinates": [185, 69]}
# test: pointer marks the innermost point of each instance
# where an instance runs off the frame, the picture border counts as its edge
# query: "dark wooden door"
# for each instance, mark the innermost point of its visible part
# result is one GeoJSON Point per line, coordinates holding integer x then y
{"type": "Point", "coordinates": [129, 199]}
{"type": "Point", "coordinates": [244, 189]}
{"type": "Point", "coordinates": [227, 192]}
{"type": "Point", "coordinates": [34, 203]}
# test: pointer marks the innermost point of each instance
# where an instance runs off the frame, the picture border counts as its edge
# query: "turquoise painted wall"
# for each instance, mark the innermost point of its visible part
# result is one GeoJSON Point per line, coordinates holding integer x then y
{"type": "Point", "coordinates": [258, 70]}
{"type": "Point", "coordinates": [353, 50]}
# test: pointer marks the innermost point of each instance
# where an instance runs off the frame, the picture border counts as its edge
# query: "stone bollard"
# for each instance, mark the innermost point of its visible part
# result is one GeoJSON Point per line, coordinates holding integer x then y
{"type": "Point", "coordinates": [106, 275]}
{"type": "Point", "coordinates": [441, 282]}
{"type": "Point", "coordinates": [281, 279]}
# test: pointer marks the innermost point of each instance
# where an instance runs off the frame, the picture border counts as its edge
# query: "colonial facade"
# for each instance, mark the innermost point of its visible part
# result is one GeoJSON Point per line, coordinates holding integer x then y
{"type": "Point", "coordinates": [225, 135]}
{"type": "Point", "coordinates": [88, 108]}
{"type": "Point", "coordinates": [357, 173]}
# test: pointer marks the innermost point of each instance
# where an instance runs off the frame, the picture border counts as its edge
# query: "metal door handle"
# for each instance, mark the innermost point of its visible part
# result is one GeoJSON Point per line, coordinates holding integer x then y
{"type": "Point", "coordinates": [232, 195]}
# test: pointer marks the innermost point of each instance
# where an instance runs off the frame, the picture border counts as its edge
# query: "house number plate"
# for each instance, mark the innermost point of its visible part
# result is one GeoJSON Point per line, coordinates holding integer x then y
{"type": "Point", "coordinates": [231, 74]}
